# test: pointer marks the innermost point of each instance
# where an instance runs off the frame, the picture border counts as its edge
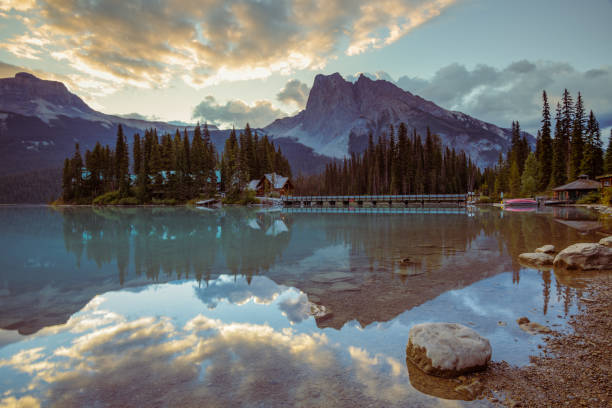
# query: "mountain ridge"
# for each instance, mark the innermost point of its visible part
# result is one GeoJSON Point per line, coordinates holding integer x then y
{"type": "Point", "coordinates": [339, 115]}
{"type": "Point", "coordinates": [41, 120]}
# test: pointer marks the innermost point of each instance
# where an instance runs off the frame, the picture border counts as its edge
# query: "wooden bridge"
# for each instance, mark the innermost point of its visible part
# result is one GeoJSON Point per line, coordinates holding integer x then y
{"type": "Point", "coordinates": [375, 200]}
{"type": "Point", "coordinates": [462, 210]}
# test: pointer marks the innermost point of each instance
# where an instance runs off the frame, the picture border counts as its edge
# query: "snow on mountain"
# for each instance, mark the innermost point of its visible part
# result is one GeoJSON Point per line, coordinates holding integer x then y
{"type": "Point", "coordinates": [339, 115]}
{"type": "Point", "coordinates": [49, 101]}
{"type": "Point", "coordinates": [40, 122]}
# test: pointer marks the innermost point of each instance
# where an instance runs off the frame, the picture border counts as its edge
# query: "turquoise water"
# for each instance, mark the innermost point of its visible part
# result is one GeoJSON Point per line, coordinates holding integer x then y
{"type": "Point", "coordinates": [245, 307]}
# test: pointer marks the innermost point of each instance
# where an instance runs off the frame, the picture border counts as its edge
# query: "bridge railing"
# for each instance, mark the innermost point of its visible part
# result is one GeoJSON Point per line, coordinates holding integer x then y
{"type": "Point", "coordinates": [405, 197]}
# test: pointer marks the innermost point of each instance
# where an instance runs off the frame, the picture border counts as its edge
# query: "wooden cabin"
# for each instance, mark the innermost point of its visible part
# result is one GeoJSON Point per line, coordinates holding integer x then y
{"type": "Point", "coordinates": [605, 180]}
{"type": "Point", "coordinates": [576, 189]}
{"type": "Point", "coordinates": [271, 182]}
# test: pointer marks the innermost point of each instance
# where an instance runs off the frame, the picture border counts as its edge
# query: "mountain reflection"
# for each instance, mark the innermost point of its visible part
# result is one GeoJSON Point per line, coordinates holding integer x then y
{"type": "Point", "coordinates": [363, 267]}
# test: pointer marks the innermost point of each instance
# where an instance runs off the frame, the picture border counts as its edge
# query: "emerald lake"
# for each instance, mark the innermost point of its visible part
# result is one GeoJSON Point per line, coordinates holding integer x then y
{"type": "Point", "coordinates": [159, 306]}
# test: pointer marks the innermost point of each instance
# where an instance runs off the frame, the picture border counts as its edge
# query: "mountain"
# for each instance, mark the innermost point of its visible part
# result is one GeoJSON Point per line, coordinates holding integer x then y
{"type": "Point", "coordinates": [40, 122]}
{"type": "Point", "coordinates": [339, 115]}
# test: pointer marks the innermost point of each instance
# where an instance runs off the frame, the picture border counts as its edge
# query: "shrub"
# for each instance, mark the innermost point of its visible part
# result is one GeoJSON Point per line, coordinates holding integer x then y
{"type": "Point", "coordinates": [165, 201]}
{"type": "Point", "coordinates": [484, 200]}
{"type": "Point", "coordinates": [591, 198]}
{"type": "Point", "coordinates": [248, 197]}
{"type": "Point", "coordinates": [274, 194]}
{"type": "Point", "coordinates": [606, 196]}
{"type": "Point", "coordinates": [109, 198]}
{"type": "Point", "coordinates": [128, 201]}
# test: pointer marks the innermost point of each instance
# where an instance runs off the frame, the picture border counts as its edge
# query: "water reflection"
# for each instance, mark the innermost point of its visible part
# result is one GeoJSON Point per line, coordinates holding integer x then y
{"type": "Point", "coordinates": [159, 306]}
{"type": "Point", "coordinates": [364, 267]}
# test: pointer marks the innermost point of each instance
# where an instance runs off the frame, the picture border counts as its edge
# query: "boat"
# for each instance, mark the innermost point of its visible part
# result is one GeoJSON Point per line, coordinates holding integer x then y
{"type": "Point", "coordinates": [520, 202]}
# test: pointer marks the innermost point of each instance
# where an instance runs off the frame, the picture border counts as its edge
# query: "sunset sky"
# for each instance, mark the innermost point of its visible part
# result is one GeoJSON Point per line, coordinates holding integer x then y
{"type": "Point", "coordinates": [232, 61]}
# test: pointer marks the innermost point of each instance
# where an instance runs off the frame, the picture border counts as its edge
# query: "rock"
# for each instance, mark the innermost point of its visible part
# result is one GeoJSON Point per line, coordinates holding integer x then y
{"type": "Point", "coordinates": [536, 258]}
{"type": "Point", "coordinates": [447, 349]}
{"type": "Point", "coordinates": [532, 327]}
{"type": "Point", "coordinates": [607, 241]}
{"type": "Point", "coordinates": [585, 256]}
{"type": "Point", "coordinates": [331, 277]}
{"type": "Point", "coordinates": [546, 249]}
{"type": "Point", "coordinates": [344, 287]}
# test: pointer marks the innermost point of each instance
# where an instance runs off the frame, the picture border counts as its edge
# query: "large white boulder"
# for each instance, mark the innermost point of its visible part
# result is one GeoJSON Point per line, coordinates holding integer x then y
{"type": "Point", "coordinates": [585, 256]}
{"type": "Point", "coordinates": [447, 349]}
{"type": "Point", "coordinates": [546, 249]}
{"type": "Point", "coordinates": [607, 241]}
{"type": "Point", "coordinates": [537, 258]}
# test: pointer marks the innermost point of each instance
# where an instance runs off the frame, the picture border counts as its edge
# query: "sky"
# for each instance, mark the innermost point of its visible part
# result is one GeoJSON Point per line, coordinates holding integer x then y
{"type": "Point", "coordinates": [229, 62]}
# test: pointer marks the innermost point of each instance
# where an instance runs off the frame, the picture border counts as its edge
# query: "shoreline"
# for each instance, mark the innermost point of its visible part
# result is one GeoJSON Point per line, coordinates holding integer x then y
{"type": "Point", "coordinates": [572, 369]}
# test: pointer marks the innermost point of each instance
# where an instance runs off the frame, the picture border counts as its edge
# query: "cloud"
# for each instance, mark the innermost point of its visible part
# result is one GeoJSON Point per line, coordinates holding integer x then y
{"type": "Point", "coordinates": [294, 92]}
{"type": "Point", "coordinates": [373, 76]}
{"type": "Point", "coordinates": [138, 116]}
{"type": "Point", "coordinates": [138, 44]}
{"type": "Point", "coordinates": [236, 112]}
{"type": "Point", "coordinates": [514, 92]}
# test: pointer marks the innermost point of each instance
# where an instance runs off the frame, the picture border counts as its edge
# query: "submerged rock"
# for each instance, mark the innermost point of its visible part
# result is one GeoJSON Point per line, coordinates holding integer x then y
{"type": "Point", "coordinates": [537, 258]}
{"type": "Point", "coordinates": [546, 249]}
{"type": "Point", "coordinates": [532, 327]}
{"type": "Point", "coordinates": [331, 277]}
{"type": "Point", "coordinates": [585, 256]}
{"type": "Point", "coordinates": [607, 241]}
{"type": "Point", "coordinates": [447, 349]}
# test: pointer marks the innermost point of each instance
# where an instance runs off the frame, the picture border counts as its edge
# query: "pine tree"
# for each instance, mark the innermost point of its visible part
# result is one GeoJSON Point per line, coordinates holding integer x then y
{"type": "Point", "coordinates": [577, 139]}
{"type": "Point", "coordinates": [592, 160]}
{"type": "Point", "coordinates": [515, 180]}
{"type": "Point", "coordinates": [529, 183]}
{"type": "Point", "coordinates": [545, 155]}
{"type": "Point", "coordinates": [567, 119]}
{"type": "Point", "coordinates": [122, 163]}
{"type": "Point", "coordinates": [137, 152]}
{"type": "Point", "coordinates": [76, 167]}
{"type": "Point", "coordinates": [558, 173]}
{"type": "Point", "coordinates": [608, 157]}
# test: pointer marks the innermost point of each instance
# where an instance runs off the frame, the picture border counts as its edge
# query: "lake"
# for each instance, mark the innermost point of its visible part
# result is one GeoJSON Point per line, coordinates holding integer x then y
{"type": "Point", "coordinates": [252, 307]}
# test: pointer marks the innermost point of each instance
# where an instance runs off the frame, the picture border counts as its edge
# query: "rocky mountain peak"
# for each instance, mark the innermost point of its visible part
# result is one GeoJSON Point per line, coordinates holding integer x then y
{"type": "Point", "coordinates": [25, 93]}
{"type": "Point", "coordinates": [339, 115]}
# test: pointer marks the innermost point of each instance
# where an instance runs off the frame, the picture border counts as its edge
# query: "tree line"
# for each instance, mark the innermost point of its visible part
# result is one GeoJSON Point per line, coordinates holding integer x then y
{"type": "Point", "coordinates": [168, 169]}
{"type": "Point", "coordinates": [575, 148]}
{"type": "Point", "coordinates": [398, 163]}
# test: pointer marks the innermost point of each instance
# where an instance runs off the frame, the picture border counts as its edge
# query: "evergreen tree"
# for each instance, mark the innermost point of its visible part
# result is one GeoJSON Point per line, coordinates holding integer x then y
{"type": "Point", "coordinates": [122, 163]}
{"type": "Point", "coordinates": [545, 156]}
{"type": "Point", "coordinates": [529, 183]}
{"type": "Point", "coordinates": [137, 152]}
{"type": "Point", "coordinates": [577, 139]}
{"type": "Point", "coordinates": [592, 160]}
{"type": "Point", "coordinates": [76, 167]}
{"type": "Point", "coordinates": [567, 119]}
{"type": "Point", "coordinates": [608, 157]}
{"type": "Point", "coordinates": [558, 175]}
{"type": "Point", "coordinates": [515, 180]}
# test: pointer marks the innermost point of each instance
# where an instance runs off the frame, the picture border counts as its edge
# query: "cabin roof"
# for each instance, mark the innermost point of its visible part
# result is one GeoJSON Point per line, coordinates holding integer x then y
{"type": "Point", "coordinates": [252, 185]}
{"type": "Point", "coordinates": [276, 180]}
{"type": "Point", "coordinates": [580, 184]}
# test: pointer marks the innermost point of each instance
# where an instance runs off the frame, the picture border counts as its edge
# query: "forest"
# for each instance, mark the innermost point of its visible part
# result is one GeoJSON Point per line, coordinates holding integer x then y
{"type": "Point", "coordinates": [399, 163]}
{"type": "Point", "coordinates": [575, 148]}
{"type": "Point", "coordinates": [175, 170]}
{"type": "Point", "coordinates": [406, 164]}
{"type": "Point", "coordinates": [170, 169]}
